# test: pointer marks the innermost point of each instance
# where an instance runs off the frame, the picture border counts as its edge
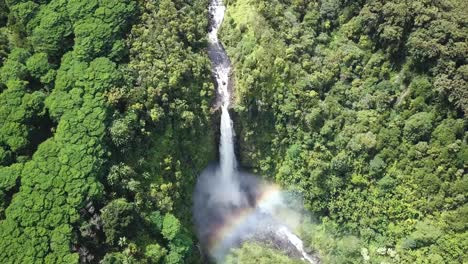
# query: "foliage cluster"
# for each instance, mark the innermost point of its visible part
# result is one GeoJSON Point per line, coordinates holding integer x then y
{"type": "Point", "coordinates": [160, 132]}
{"type": "Point", "coordinates": [254, 253]}
{"type": "Point", "coordinates": [103, 106]}
{"type": "Point", "coordinates": [53, 114]}
{"type": "Point", "coordinates": [360, 105]}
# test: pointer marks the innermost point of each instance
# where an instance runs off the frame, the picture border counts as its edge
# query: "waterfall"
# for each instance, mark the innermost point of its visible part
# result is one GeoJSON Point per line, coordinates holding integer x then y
{"type": "Point", "coordinates": [221, 71]}
{"type": "Point", "coordinates": [231, 207]}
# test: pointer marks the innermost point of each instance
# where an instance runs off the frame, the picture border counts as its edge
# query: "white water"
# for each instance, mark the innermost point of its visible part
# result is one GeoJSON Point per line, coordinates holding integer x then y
{"type": "Point", "coordinates": [296, 241]}
{"type": "Point", "coordinates": [222, 69]}
{"type": "Point", "coordinates": [228, 186]}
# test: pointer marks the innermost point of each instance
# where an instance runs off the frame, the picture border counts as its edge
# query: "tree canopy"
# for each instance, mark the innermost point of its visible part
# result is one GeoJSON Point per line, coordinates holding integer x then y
{"type": "Point", "coordinates": [107, 118]}
{"type": "Point", "coordinates": [348, 103]}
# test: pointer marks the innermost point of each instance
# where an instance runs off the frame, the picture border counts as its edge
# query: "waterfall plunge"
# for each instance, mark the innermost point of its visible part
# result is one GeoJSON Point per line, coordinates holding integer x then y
{"type": "Point", "coordinates": [228, 186]}
{"type": "Point", "coordinates": [231, 207]}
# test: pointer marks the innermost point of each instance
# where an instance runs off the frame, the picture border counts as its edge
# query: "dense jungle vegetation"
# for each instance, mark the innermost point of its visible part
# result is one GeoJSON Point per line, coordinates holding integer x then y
{"type": "Point", "coordinates": [105, 108]}
{"type": "Point", "coordinates": [361, 107]}
{"type": "Point", "coordinates": [106, 121]}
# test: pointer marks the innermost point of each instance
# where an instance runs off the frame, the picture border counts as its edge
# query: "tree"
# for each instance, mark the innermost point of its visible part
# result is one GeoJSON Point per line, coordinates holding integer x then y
{"type": "Point", "coordinates": [123, 130]}
{"type": "Point", "coordinates": [93, 38]}
{"type": "Point", "coordinates": [98, 33]}
{"type": "Point", "coordinates": [38, 66]}
{"type": "Point", "coordinates": [50, 35]}
{"type": "Point", "coordinates": [171, 227]}
{"type": "Point", "coordinates": [4, 46]}
{"type": "Point", "coordinates": [79, 10]}
{"type": "Point", "coordinates": [20, 16]}
{"type": "Point", "coordinates": [117, 218]}
{"type": "Point", "coordinates": [14, 67]}
{"type": "Point", "coordinates": [17, 110]}
{"type": "Point", "coordinates": [424, 235]}
{"type": "Point", "coordinates": [155, 253]}
{"type": "Point", "coordinates": [418, 127]}
{"type": "Point", "coordinates": [120, 177]}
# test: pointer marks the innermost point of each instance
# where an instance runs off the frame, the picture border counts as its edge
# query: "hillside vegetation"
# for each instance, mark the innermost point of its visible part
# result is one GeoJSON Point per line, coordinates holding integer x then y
{"type": "Point", "coordinates": [360, 107]}
{"type": "Point", "coordinates": [357, 106]}
{"type": "Point", "coordinates": [104, 113]}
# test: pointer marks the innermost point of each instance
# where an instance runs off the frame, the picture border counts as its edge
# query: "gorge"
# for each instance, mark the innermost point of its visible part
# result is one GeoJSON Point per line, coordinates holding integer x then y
{"type": "Point", "coordinates": [230, 206]}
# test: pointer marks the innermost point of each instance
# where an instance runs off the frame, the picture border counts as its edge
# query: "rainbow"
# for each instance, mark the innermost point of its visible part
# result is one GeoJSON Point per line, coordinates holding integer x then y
{"type": "Point", "coordinates": [269, 196]}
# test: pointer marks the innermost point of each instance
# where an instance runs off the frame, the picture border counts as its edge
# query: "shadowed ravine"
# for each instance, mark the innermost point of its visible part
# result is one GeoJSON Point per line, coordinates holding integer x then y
{"type": "Point", "coordinates": [230, 206]}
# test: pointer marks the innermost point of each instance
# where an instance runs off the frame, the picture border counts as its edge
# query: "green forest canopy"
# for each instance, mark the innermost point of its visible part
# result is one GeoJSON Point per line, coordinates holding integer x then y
{"type": "Point", "coordinates": [361, 107]}
{"type": "Point", "coordinates": [84, 86]}
{"type": "Point", "coordinates": [105, 119]}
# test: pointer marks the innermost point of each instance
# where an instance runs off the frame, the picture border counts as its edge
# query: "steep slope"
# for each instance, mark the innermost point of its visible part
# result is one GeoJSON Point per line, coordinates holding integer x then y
{"type": "Point", "coordinates": [104, 125]}
{"type": "Point", "coordinates": [359, 106]}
